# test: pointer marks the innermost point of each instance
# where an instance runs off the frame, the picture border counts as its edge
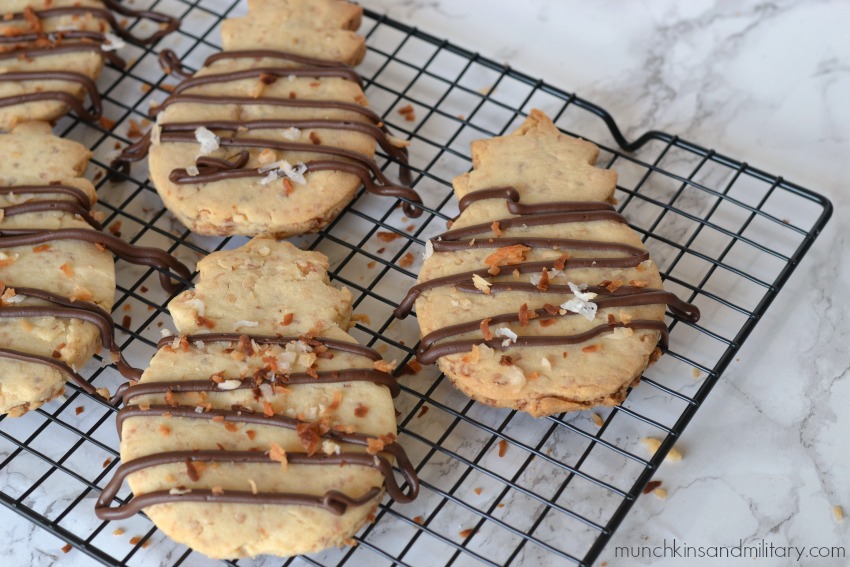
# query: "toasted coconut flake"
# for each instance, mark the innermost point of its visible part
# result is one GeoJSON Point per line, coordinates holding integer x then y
{"type": "Point", "coordinates": [496, 228]}
{"type": "Point", "coordinates": [625, 317]}
{"type": "Point", "coordinates": [485, 329]}
{"type": "Point", "coordinates": [384, 366]}
{"type": "Point", "coordinates": [276, 453]}
{"type": "Point", "coordinates": [561, 262]}
{"type": "Point", "coordinates": [481, 284]}
{"type": "Point", "coordinates": [506, 256]}
{"type": "Point", "coordinates": [473, 356]}
{"type": "Point", "coordinates": [639, 283]}
{"type": "Point", "coordinates": [581, 302]}
{"type": "Point", "coordinates": [510, 336]}
{"type": "Point", "coordinates": [208, 140]}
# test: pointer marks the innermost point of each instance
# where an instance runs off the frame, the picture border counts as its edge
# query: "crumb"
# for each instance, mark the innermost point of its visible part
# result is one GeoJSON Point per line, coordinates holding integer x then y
{"type": "Point", "coordinates": [412, 367]}
{"type": "Point", "coordinates": [661, 493]}
{"type": "Point", "coordinates": [143, 289]}
{"type": "Point", "coordinates": [406, 260]}
{"type": "Point", "coordinates": [107, 461]}
{"type": "Point", "coordinates": [386, 237]}
{"type": "Point", "coordinates": [419, 520]}
{"type": "Point", "coordinates": [106, 123]}
{"type": "Point", "coordinates": [66, 548]}
{"type": "Point", "coordinates": [118, 532]}
{"type": "Point", "coordinates": [674, 456]}
{"type": "Point", "coordinates": [423, 410]}
{"type": "Point", "coordinates": [597, 419]}
{"type": "Point", "coordinates": [503, 447]}
{"type": "Point", "coordinates": [651, 485]}
{"type": "Point", "coordinates": [696, 374]}
{"type": "Point", "coordinates": [135, 540]}
{"type": "Point", "coordinates": [126, 321]}
{"type": "Point", "coordinates": [466, 533]}
{"type": "Point", "coordinates": [838, 513]}
{"type": "Point", "coordinates": [115, 228]}
{"type": "Point", "coordinates": [410, 227]}
{"type": "Point", "coordinates": [361, 318]}
{"type": "Point", "coordinates": [79, 410]}
{"type": "Point", "coordinates": [134, 130]}
{"type": "Point", "coordinates": [478, 490]}
{"type": "Point", "coordinates": [371, 264]}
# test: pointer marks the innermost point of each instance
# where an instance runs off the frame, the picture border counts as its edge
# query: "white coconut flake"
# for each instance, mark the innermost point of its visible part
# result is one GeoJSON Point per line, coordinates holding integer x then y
{"type": "Point", "coordinates": [291, 77]}
{"type": "Point", "coordinates": [296, 173]}
{"type": "Point", "coordinates": [199, 344]}
{"type": "Point", "coordinates": [112, 43]}
{"type": "Point", "coordinates": [511, 337]}
{"type": "Point", "coordinates": [175, 344]}
{"type": "Point", "coordinates": [429, 250]}
{"type": "Point", "coordinates": [581, 302]}
{"type": "Point", "coordinates": [244, 323]}
{"type": "Point", "coordinates": [165, 332]}
{"type": "Point", "coordinates": [544, 362]}
{"type": "Point", "coordinates": [272, 166]}
{"type": "Point", "coordinates": [179, 491]}
{"type": "Point", "coordinates": [292, 133]}
{"type": "Point", "coordinates": [270, 178]}
{"type": "Point", "coordinates": [193, 171]}
{"type": "Point", "coordinates": [15, 298]}
{"type": "Point", "coordinates": [199, 409]}
{"type": "Point", "coordinates": [229, 385]}
{"type": "Point", "coordinates": [266, 390]}
{"type": "Point", "coordinates": [330, 448]}
{"type": "Point", "coordinates": [208, 140]}
{"type": "Point", "coordinates": [197, 304]}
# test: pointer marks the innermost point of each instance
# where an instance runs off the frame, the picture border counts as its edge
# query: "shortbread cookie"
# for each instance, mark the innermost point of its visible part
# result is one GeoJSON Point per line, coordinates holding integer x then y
{"type": "Point", "coordinates": [264, 141]}
{"type": "Point", "coordinates": [540, 297]}
{"type": "Point", "coordinates": [56, 270]}
{"type": "Point", "coordinates": [264, 428]}
{"type": "Point", "coordinates": [52, 51]}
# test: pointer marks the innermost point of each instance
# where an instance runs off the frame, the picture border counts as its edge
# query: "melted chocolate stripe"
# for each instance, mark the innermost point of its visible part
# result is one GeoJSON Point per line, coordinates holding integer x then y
{"type": "Point", "coordinates": [400, 154]}
{"type": "Point", "coordinates": [260, 72]}
{"type": "Point", "coordinates": [152, 257]}
{"type": "Point", "coordinates": [84, 311]}
{"type": "Point", "coordinates": [343, 346]}
{"type": "Point", "coordinates": [78, 194]}
{"type": "Point", "coordinates": [531, 220]}
{"type": "Point", "coordinates": [67, 99]}
{"type": "Point", "coordinates": [269, 54]}
{"type": "Point", "coordinates": [678, 307]}
{"type": "Point", "coordinates": [333, 501]}
{"type": "Point", "coordinates": [540, 242]}
{"type": "Point", "coordinates": [50, 206]}
{"type": "Point", "coordinates": [66, 370]}
{"type": "Point", "coordinates": [511, 195]}
{"type": "Point", "coordinates": [406, 305]}
{"type": "Point", "coordinates": [455, 347]}
{"type": "Point", "coordinates": [394, 449]}
{"type": "Point", "coordinates": [33, 52]}
{"type": "Point", "coordinates": [297, 378]}
{"type": "Point", "coordinates": [632, 300]}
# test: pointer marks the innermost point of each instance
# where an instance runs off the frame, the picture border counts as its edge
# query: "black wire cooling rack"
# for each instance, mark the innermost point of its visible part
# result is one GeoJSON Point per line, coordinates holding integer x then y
{"type": "Point", "coordinates": [498, 487]}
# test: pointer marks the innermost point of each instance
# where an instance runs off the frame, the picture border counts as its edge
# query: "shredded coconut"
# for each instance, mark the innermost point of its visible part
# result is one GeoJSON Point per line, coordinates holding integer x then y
{"type": "Point", "coordinates": [581, 302]}
{"type": "Point", "coordinates": [330, 448]}
{"type": "Point", "coordinates": [511, 337]}
{"type": "Point", "coordinates": [208, 140]}
{"type": "Point", "coordinates": [14, 299]}
{"type": "Point", "coordinates": [429, 250]}
{"type": "Point", "coordinates": [199, 409]}
{"type": "Point", "coordinates": [266, 390]}
{"type": "Point", "coordinates": [199, 344]}
{"type": "Point", "coordinates": [244, 323]}
{"type": "Point", "coordinates": [179, 491]}
{"type": "Point", "coordinates": [193, 171]}
{"type": "Point", "coordinates": [291, 77]}
{"type": "Point", "coordinates": [165, 333]}
{"type": "Point", "coordinates": [544, 362]}
{"type": "Point", "coordinates": [270, 178]}
{"type": "Point", "coordinates": [113, 42]}
{"type": "Point", "coordinates": [292, 133]}
{"type": "Point", "coordinates": [229, 385]}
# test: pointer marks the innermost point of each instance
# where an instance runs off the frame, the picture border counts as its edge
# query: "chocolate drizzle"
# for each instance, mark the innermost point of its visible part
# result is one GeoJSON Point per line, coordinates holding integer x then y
{"type": "Point", "coordinates": [76, 309]}
{"type": "Point", "coordinates": [332, 501]}
{"type": "Point", "coordinates": [168, 265]}
{"type": "Point", "coordinates": [360, 165]}
{"type": "Point", "coordinates": [37, 43]}
{"type": "Point", "coordinates": [66, 370]}
{"type": "Point", "coordinates": [435, 345]}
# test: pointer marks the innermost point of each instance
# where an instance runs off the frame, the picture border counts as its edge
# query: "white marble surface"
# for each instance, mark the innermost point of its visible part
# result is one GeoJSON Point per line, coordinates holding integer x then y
{"type": "Point", "coordinates": [766, 457]}
{"type": "Point", "coordinates": [768, 82]}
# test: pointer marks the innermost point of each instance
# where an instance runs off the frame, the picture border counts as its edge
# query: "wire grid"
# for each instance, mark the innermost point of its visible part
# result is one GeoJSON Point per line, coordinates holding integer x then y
{"type": "Point", "coordinates": [498, 487]}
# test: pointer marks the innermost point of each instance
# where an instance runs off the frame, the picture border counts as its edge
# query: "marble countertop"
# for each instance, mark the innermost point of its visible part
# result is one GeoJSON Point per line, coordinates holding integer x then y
{"type": "Point", "coordinates": [766, 457]}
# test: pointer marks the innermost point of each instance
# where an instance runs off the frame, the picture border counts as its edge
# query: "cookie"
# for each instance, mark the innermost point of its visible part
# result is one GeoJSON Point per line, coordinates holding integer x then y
{"type": "Point", "coordinates": [263, 428]}
{"type": "Point", "coordinates": [268, 142]}
{"type": "Point", "coordinates": [52, 52]}
{"type": "Point", "coordinates": [540, 297]}
{"type": "Point", "coordinates": [56, 270]}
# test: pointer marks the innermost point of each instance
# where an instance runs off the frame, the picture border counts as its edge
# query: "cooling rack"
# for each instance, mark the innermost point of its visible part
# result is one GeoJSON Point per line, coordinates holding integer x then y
{"type": "Point", "coordinates": [498, 487]}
